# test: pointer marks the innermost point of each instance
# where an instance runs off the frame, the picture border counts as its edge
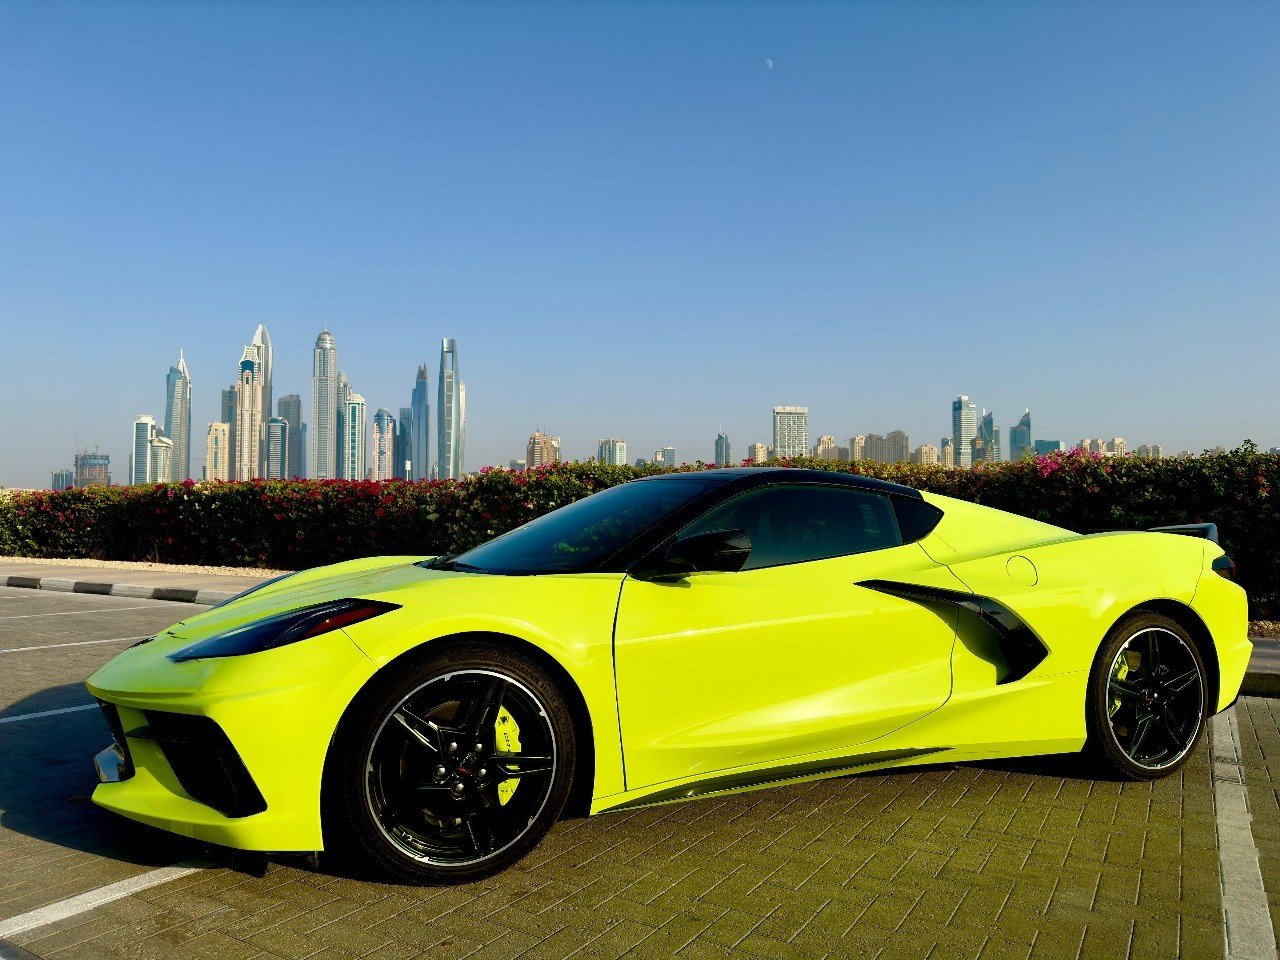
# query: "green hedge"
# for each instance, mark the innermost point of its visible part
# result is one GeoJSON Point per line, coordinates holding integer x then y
{"type": "Point", "coordinates": [295, 524]}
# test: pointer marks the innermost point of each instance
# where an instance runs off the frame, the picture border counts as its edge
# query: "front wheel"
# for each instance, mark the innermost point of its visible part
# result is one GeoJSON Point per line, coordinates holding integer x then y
{"type": "Point", "coordinates": [1148, 698]}
{"type": "Point", "coordinates": [454, 768]}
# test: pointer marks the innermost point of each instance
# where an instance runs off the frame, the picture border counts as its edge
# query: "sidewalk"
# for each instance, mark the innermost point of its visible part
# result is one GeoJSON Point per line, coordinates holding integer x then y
{"type": "Point", "coordinates": [146, 581]}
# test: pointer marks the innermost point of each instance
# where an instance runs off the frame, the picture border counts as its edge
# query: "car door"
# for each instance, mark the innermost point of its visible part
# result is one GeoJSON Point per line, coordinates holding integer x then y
{"type": "Point", "coordinates": [788, 657]}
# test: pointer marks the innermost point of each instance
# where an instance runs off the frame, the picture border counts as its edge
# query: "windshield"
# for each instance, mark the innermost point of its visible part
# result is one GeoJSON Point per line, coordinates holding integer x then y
{"type": "Point", "coordinates": [578, 536]}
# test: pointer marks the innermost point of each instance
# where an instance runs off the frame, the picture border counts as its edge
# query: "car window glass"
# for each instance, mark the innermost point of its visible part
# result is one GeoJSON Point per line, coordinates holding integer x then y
{"type": "Point", "coordinates": [794, 523]}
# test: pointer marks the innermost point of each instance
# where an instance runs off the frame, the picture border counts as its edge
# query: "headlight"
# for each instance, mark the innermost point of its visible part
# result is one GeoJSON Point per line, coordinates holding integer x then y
{"type": "Point", "coordinates": [254, 589]}
{"type": "Point", "coordinates": [283, 628]}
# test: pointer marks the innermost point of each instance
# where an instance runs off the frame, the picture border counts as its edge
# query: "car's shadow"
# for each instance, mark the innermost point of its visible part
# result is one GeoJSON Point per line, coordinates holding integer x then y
{"type": "Point", "coordinates": [46, 777]}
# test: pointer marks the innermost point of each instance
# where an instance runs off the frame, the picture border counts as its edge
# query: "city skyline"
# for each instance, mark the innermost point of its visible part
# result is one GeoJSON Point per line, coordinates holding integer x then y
{"type": "Point", "coordinates": [357, 459]}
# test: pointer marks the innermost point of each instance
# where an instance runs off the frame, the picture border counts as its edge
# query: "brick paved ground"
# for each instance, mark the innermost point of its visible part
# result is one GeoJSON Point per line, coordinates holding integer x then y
{"type": "Point", "coordinates": [1026, 859]}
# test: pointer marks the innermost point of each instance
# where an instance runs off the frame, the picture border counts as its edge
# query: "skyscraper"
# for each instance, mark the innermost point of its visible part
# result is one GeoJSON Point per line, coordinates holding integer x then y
{"type": "Point", "coordinates": [354, 434]}
{"type": "Point", "coordinates": [417, 430]}
{"type": "Point", "coordinates": [217, 452]}
{"type": "Point", "coordinates": [404, 445]}
{"type": "Point", "coordinates": [541, 450]}
{"type": "Point", "coordinates": [228, 416]}
{"type": "Point", "coordinates": [341, 432]}
{"type": "Point", "coordinates": [612, 451]}
{"type": "Point", "coordinates": [964, 428]}
{"type": "Point", "coordinates": [383, 466]}
{"type": "Point", "coordinates": [262, 347]}
{"type": "Point", "coordinates": [324, 408]}
{"type": "Point", "coordinates": [249, 424]}
{"type": "Point", "coordinates": [947, 451]}
{"type": "Point", "coordinates": [724, 450]}
{"type": "Point", "coordinates": [450, 411]}
{"type": "Point", "coordinates": [790, 431]}
{"type": "Point", "coordinates": [92, 469]}
{"type": "Point", "coordinates": [858, 447]}
{"type": "Point", "coordinates": [757, 453]}
{"type": "Point", "coordinates": [926, 454]}
{"type": "Point", "coordinates": [277, 448]}
{"type": "Point", "coordinates": [1044, 447]}
{"type": "Point", "coordinates": [873, 448]}
{"type": "Point", "coordinates": [289, 409]}
{"type": "Point", "coordinates": [897, 447]}
{"type": "Point", "coordinates": [144, 429]}
{"type": "Point", "coordinates": [177, 417]}
{"type": "Point", "coordinates": [986, 445]}
{"type": "Point", "coordinates": [666, 456]}
{"type": "Point", "coordinates": [161, 459]}
{"type": "Point", "coordinates": [62, 479]}
{"type": "Point", "coordinates": [1020, 437]}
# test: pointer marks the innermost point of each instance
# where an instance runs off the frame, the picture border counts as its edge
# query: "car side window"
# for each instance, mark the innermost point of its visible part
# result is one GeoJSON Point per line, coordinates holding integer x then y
{"type": "Point", "coordinates": [794, 523]}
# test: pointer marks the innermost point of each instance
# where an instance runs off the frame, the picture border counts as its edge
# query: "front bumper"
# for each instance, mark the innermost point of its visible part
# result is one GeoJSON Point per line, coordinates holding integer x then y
{"type": "Point", "coordinates": [227, 751]}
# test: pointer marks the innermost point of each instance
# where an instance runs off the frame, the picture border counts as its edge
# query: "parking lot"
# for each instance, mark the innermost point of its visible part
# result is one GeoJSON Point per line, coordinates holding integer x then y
{"type": "Point", "coordinates": [1017, 859]}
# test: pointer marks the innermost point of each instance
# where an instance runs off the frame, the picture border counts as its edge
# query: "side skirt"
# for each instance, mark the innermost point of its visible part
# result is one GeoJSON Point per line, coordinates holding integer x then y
{"type": "Point", "coordinates": [769, 777]}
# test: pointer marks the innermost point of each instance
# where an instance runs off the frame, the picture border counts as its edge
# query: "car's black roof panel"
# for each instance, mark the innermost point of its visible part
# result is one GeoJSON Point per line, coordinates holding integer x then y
{"type": "Point", "coordinates": [754, 476]}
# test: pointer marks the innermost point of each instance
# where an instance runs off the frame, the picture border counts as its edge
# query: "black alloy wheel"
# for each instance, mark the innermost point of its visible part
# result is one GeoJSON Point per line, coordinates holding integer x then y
{"type": "Point", "coordinates": [1147, 697]}
{"type": "Point", "coordinates": [459, 768]}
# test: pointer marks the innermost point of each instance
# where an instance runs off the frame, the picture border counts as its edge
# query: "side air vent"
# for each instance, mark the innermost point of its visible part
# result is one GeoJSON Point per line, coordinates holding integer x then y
{"type": "Point", "coordinates": [1021, 649]}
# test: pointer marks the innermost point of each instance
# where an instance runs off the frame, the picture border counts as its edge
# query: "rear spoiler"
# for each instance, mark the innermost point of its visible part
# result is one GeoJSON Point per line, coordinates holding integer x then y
{"type": "Point", "coordinates": [1206, 531]}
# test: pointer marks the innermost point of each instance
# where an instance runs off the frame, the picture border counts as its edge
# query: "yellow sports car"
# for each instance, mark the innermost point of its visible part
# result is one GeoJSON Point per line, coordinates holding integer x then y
{"type": "Point", "coordinates": [672, 637]}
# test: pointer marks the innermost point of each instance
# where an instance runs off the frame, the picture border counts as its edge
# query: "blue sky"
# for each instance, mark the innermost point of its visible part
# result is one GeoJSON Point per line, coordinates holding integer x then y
{"type": "Point", "coordinates": [635, 227]}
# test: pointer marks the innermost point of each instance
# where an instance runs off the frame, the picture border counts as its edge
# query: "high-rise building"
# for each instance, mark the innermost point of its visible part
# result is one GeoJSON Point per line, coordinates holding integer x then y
{"type": "Point", "coordinates": [1092, 445]}
{"type": "Point", "coordinates": [947, 452]}
{"type": "Point", "coordinates": [926, 455]}
{"type": "Point", "coordinates": [897, 447]}
{"type": "Point", "coordinates": [612, 451]}
{"type": "Point", "coordinates": [724, 449]}
{"type": "Point", "coordinates": [354, 435]}
{"type": "Point", "coordinates": [757, 453]}
{"type": "Point", "coordinates": [541, 450]}
{"type": "Point", "coordinates": [873, 448]}
{"type": "Point", "coordinates": [161, 459]}
{"type": "Point", "coordinates": [277, 448]}
{"type": "Point", "coordinates": [1151, 451]}
{"type": "Point", "coordinates": [417, 430]}
{"type": "Point", "coordinates": [262, 346]}
{"type": "Point", "coordinates": [344, 391]}
{"type": "Point", "coordinates": [217, 452]}
{"type": "Point", "coordinates": [144, 430]}
{"type": "Point", "coordinates": [1117, 447]}
{"type": "Point", "coordinates": [383, 466]}
{"type": "Point", "coordinates": [826, 448]}
{"type": "Point", "coordinates": [858, 447]}
{"type": "Point", "coordinates": [62, 479]}
{"type": "Point", "coordinates": [250, 429]}
{"type": "Point", "coordinates": [790, 431]}
{"type": "Point", "coordinates": [177, 417]}
{"type": "Point", "coordinates": [93, 469]}
{"type": "Point", "coordinates": [1043, 447]}
{"type": "Point", "coordinates": [289, 409]}
{"type": "Point", "coordinates": [986, 445]}
{"type": "Point", "coordinates": [404, 445]}
{"type": "Point", "coordinates": [516, 465]}
{"type": "Point", "coordinates": [450, 411]}
{"type": "Point", "coordinates": [228, 416]}
{"type": "Point", "coordinates": [666, 456]}
{"type": "Point", "coordinates": [1020, 442]}
{"type": "Point", "coordinates": [964, 429]}
{"type": "Point", "coordinates": [324, 407]}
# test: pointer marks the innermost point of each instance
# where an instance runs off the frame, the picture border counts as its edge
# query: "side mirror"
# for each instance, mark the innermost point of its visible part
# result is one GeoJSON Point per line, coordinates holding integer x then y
{"type": "Point", "coordinates": [720, 551]}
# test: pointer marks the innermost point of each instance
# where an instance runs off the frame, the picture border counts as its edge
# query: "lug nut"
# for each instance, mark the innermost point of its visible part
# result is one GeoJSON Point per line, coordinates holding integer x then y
{"type": "Point", "coordinates": [482, 772]}
{"type": "Point", "coordinates": [452, 746]}
{"type": "Point", "coordinates": [440, 773]}
{"type": "Point", "coordinates": [458, 788]}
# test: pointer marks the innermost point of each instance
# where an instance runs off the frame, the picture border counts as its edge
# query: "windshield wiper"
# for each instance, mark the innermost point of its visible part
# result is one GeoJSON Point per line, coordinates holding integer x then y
{"type": "Point", "coordinates": [450, 561]}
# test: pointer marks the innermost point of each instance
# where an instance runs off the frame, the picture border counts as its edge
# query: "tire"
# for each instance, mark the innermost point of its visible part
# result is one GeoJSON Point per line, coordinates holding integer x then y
{"type": "Point", "coordinates": [1147, 700]}
{"type": "Point", "coordinates": [450, 769]}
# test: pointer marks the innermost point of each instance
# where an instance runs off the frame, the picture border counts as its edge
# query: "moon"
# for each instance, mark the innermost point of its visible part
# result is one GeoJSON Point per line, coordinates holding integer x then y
{"type": "Point", "coordinates": [768, 63]}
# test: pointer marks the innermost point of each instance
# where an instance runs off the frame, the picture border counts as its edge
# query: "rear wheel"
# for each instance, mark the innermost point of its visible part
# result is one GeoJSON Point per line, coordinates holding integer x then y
{"type": "Point", "coordinates": [1147, 698]}
{"type": "Point", "coordinates": [454, 769]}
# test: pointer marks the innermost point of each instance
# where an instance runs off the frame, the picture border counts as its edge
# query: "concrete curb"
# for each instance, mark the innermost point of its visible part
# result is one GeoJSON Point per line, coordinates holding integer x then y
{"type": "Point", "coordinates": [136, 591]}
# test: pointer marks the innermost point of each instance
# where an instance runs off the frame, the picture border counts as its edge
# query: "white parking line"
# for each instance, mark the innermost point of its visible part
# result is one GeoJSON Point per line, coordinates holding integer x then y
{"type": "Point", "coordinates": [73, 613]}
{"type": "Point", "coordinates": [74, 643]}
{"type": "Point", "coordinates": [1246, 918]}
{"type": "Point", "coordinates": [47, 713]}
{"type": "Point", "coordinates": [81, 903]}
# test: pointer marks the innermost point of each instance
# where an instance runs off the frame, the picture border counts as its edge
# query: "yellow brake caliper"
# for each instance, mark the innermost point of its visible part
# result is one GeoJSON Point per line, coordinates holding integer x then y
{"type": "Point", "coordinates": [1130, 661]}
{"type": "Point", "coordinates": [506, 740]}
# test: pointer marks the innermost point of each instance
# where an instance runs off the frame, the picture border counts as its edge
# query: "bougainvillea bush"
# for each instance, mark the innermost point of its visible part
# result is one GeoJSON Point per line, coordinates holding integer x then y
{"type": "Point", "coordinates": [301, 523]}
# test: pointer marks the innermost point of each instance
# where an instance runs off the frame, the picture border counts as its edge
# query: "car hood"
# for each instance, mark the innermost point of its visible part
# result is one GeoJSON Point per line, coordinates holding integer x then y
{"type": "Point", "coordinates": [378, 578]}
